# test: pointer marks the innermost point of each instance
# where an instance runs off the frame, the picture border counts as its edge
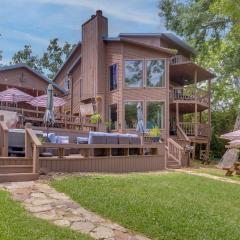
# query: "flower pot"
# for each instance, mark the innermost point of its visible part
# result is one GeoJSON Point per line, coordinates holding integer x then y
{"type": "Point", "coordinates": [156, 139]}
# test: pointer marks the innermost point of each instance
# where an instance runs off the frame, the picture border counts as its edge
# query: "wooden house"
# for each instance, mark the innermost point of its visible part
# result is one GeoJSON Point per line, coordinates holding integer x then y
{"type": "Point", "coordinates": [114, 74]}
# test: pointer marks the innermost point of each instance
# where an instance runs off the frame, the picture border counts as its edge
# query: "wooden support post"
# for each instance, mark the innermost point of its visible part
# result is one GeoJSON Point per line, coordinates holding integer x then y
{"type": "Point", "coordinates": [28, 145]}
{"type": "Point", "coordinates": [177, 113]}
{"type": "Point", "coordinates": [195, 117]}
{"type": "Point", "coordinates": [209, 117]}
{"type": "Point", "coordinates": [4, 137]}
{"type": "Point", "coordinates": [35, 159]}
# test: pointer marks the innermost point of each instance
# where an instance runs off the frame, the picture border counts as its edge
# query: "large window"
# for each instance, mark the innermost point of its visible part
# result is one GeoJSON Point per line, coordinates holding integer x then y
{"type": "Point", "coordinates": [155, 73]}
{"type": "Point", "coordinates": [155, 114]}
{"type": "Point", "coordinates": [66, 83]}
{"type": "Point", "coordinates": [113, 116]}
{"type": "Point", "coordinates": [130, 114]}
{"type": "Point", "coordinates": [113, 77]}
{"type": "Point", "coordinates": [134, 73]}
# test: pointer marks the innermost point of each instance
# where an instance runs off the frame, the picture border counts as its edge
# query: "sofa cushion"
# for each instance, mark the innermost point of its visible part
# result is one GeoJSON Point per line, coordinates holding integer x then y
{"type": "Point", "coordinates": [112, 138]}
{"type": "Point", "coordinates": [82, 140]}
{"type": "Point", "coordinates": [97, 138]}
{"type": "Point", "coordinates": [123, 138]}
{"type": "Point", "coordinates": [134, 139]}
{"type": "Point", "coordinates": [63, 139]}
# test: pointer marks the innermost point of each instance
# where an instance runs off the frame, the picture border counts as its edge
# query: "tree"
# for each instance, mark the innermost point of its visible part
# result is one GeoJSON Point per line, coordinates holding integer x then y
{"type": "Point", "coordinates": [26, 56]}
{"type": "Point", "coordinates": [54, 57]}
{"type": "Point", "coordinates": [51, 60]}
{"type": "Point", "coordinates": [212, 27]}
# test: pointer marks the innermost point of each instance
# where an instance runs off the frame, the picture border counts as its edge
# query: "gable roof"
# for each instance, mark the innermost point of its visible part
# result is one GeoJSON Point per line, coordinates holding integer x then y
{"type": "Point", "coordinates": [170, 36]}
{"type": "Point", "coordinates": [67, 59]}
{"type": "Point", "coordinates": [22, 65]}
{"type": "Point", "coordinates": [127, 40]}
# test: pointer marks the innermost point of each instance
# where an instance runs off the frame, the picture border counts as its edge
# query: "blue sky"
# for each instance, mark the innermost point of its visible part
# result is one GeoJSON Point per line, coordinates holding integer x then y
{"type": "Point", "coordinates": [34, 22]}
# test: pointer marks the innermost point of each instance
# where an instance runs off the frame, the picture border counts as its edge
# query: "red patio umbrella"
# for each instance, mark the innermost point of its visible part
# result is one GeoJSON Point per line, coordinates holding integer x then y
{"type": "Point", "coordinates": [14, 95]}
{"type": "Point", "coordinates": [41, 101]}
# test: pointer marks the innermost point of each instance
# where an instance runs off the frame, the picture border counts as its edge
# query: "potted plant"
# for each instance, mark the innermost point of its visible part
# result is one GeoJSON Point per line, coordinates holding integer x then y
{"type": "Point", "coordinates": [96, 119]}
{"type": "Point", "coordinates": [155, 134]}
{"type": "Point", "coordinates": [108, 125]}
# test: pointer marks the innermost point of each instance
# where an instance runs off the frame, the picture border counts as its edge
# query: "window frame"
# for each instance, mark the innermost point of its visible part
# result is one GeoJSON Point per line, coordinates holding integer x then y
{"type": "Point", "coordinates": [109, 77]}
{"type": "Point", "coordinates": [109, 116]}
{"type": "Point", "coordinates": [124, 73]}
{"type": "Point", "coordinates": [124, 112]}
{"type": "Point", "coordinates": [165, 72]}
{"type": "Point", "coordinates": [165, 112]}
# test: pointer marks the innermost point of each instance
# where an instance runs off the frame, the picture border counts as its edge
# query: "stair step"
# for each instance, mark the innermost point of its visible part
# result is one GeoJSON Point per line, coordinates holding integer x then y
{"type": "Point", "coordinates": [15, 169]}
{"type": "Point", "coordinates": [18, 177]}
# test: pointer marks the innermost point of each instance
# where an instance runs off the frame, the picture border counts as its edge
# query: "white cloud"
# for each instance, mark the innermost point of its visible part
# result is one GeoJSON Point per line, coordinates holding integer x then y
{"type": "Point", "coordinates": [119, 9]}
{"type": "Point", "coordinates": [24, 36]}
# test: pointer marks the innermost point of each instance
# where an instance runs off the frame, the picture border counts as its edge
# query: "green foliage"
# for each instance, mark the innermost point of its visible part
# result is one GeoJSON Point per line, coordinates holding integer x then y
{"type": "Point", "coordinates": [96, 118]}
{"type": "Point", "coordinates": [17, 224]}
{"type": "Point", "coordinates": [49, 62]}
{"type": "Point", "coordinates": [161, 206]}
{"type": "Point", "coordinates": [212, 27]}
{"type": "Point", "coordinates": [154, 132]}
{"type": "Point", "coordinates": [26, 56]}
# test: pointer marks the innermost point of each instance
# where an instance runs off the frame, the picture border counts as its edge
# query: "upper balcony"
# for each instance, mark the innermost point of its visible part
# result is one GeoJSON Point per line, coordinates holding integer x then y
{"type": "Point", "coordinates": [189, 95]}
{"type": "Point", "coordinates": [184, 71]}
{"type": "Point", "coordinates": [179, 59]}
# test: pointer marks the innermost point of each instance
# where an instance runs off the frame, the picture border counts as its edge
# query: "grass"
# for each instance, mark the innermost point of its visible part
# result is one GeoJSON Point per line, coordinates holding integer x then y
{"type": "Point", "coordinates": [17, 224]}
{"type": "Point", "coordinates": [168, 206]}
{"type": "Point", "coordinates": [216, 172]}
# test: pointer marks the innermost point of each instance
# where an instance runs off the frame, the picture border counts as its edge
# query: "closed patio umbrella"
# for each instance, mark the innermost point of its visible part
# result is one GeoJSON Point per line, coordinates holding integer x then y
{"type": "Point", "coordinates": [140, 123]}
{"type": "Point", "coordinates": [49, 115]}
{"type": "Point", "coordinates": [14, 95]}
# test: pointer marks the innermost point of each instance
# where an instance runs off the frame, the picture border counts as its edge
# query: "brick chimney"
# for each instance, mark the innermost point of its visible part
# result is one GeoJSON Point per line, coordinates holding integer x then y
{"type": "Point", "coordinates": [93, 64]}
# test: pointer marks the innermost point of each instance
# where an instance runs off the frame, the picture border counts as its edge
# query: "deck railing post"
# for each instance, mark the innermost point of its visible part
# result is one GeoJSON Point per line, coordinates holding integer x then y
{"type": "Point", "coordinates": [35, 159]}
{"type": "Point", "coordinates": [28, 145]}
{"type": "Point", "coordinates": [4, 137]}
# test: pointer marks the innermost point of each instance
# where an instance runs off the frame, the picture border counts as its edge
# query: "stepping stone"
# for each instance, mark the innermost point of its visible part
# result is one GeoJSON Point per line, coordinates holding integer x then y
{"type": "Point", "coordinates": [38, 202]}
{"type": "Point", "coordinates": [42, 208]}
{"type": "Point", "coordinates": [62, 223]}
{"type": "Point", "coordinates": [58, 196]}
{"type": "Point", "coordinates": [38, 195]}
{"type": "Point", "coordinates": [49, 215]}
{"type": "Point", "coordinates": [102, 232]}
{"type": "Point", "coordinates": [83, 227]}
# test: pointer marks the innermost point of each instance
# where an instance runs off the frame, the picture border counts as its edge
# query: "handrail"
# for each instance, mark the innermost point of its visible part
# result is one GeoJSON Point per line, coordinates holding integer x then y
{"type": "Point", "coordinates": [181, 132]}
{"type": "Point", "coordinates": [175, 150]}
{"type": "Point", "coordinates": [195, 129]}
{"type": "Point", "coordinates": [189, 93]}
{"type": "Point", "coordinates": [3, 137]}
{"type": "Point", "coordinates": [32, 144]}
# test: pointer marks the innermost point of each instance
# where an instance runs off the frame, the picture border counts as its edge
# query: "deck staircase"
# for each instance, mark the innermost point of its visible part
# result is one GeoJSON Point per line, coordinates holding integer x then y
{"type": "Point", "coordinates": [13, 169]}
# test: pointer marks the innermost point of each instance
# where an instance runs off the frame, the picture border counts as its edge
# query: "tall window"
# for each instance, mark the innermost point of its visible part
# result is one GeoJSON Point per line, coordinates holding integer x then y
{"type": "Point", "coordinates": [130, 114]}
{"type": "Point", "coordinates": [66, 83]}
{"type": "Point", "coordinates": [113, 116]}
{"type": "Point", "coordinates": [155, 73]}
{"type": "Point", "coordinates": [134, 73]}
{"type": "Point", "coordinates": [155, 114]}
{"type": "Point", "coordinates": [113, 77]}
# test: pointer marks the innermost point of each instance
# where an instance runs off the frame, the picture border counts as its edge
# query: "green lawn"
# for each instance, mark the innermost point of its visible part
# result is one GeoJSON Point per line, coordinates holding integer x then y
{"type": "Point", "coordinates": [17, 224]}
{"type": "Point", "coordinates": [216, 172]}
{"type": "Point", "coordinates": [167, 206]}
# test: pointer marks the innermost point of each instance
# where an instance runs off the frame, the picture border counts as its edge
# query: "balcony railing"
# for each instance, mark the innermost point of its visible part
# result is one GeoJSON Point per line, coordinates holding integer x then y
{"type": "Point", "coordinates": [178, 59]}
{"type": "Point", "coordinates": [189, 94]}
{"type": "Point", "coordinates": [195, 129]}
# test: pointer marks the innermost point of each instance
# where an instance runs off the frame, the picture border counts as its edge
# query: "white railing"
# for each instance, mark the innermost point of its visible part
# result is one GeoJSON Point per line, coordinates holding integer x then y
{"type": "Point", "coordinates": [189, 94]}
{"type": "Point", "coordinates": [195, 129]}
{"type": "Point", "coordinates": [175, 151]}
{"type": "Point", "coordinates": [177, 59]}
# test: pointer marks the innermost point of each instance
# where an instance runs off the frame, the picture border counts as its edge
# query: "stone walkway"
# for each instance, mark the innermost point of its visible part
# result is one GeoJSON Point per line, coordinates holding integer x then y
{"type": "Point", "coordinates": [46, 203]}
{"type": "Point", "coordinates": [209, 176]}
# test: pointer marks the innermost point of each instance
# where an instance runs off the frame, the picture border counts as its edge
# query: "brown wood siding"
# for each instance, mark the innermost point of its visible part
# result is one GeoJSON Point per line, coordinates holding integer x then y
{"type": "Point", "coordinates": [116, 164]}
{"type": "Point", "coordinates": [152, 41]}
{"type": "Point", "coordinates": [23, 78]}
{"type": "Point", "coordinates": [63, 73]}
{"type": "Point", "coordinates": [145, 94]}
{"type": "Point", "coordinates": [93, 65]}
